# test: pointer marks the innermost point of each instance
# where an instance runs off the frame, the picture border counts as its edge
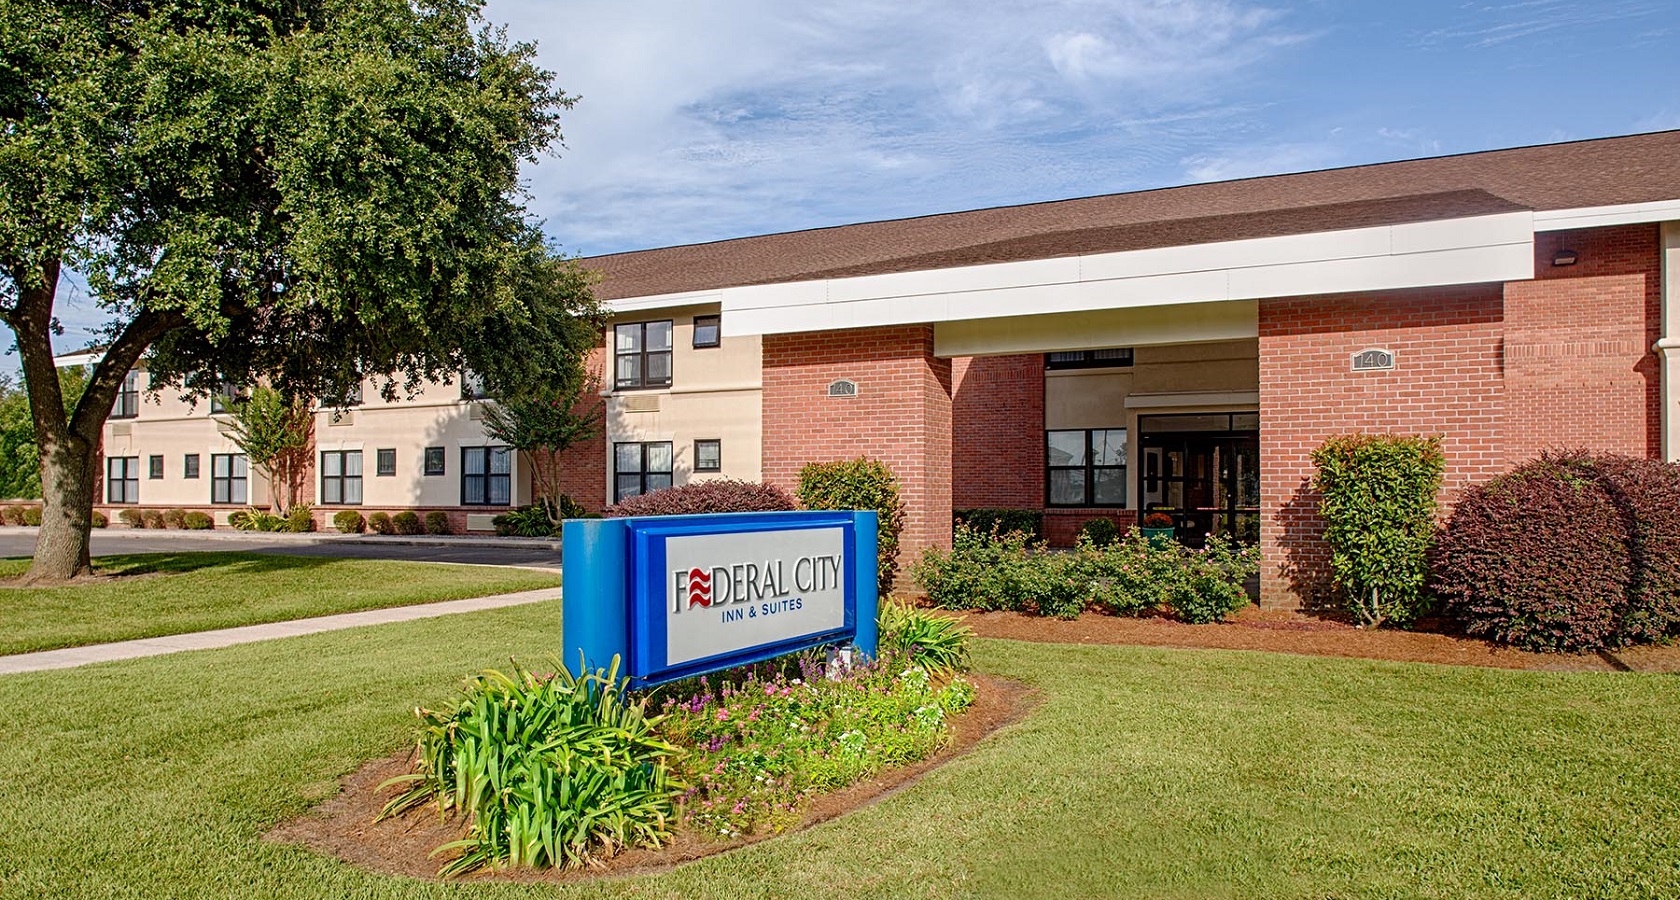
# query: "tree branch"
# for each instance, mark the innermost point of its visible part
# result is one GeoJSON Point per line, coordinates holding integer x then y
{"type": "Point", "coordinates": [145, 328]}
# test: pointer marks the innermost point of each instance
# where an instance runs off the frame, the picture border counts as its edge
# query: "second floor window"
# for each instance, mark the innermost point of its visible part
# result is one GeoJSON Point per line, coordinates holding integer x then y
{"type": "Point", "coordinates": [486, 476]}
{"type": "Point", "coordinates": [642, 355]}
{"type": "Point", "coordinates": [189, 468]}
{"type": "Point", "coordinates": [128, 398]}
{"type": "Point", "coordinates": [708, 331]}
{"type": "Point", "coordinates": [229, 478]}
{"type": "Point", "coordinates": [223, 399]}
{"type": "Point", "coordinates": [341, 476]}
{"type": "Point", "coordinates": [122, 479]}
{"type": "Point", "coordinates": [472, 386]}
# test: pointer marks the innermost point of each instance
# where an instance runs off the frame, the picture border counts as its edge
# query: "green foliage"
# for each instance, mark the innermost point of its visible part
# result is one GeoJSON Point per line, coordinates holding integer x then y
{"type": "Point", "coordinates": [1377, 500]}
{"type": "Point", "coordinates": [549, 771]}
{"type": "Point", "coordinates": [198, 521]}
{"type": "Point", "coordinates": [300, 518]}
{"type": "Point", "coordinates": [20, 455]}
{"type": "Point", "coordinates": [936, 642]}
{"type": "Point", "coordinates": [437, 522]}
{"type": "Point", "coordinates": [764, 740]}
{"type": "Point", "coordinates": [277, 435]}
{"type": "Point", "coordinates": [253, 519]}
{"type": "Point", "coordinates": [541, 419]}
{"type": "Point", "coordinates": [986, 520]}
{"type": "Point", "coordinates": [526, 521]}
{"type": "Point", "coordinates": [31, 515]}
{"type": "Point", "coordinates": [131, 517]}
{"type": "Point", "coordinates": [406, 522]}
{"type": "Point", "coordinates": [380, 523]}
{"type": "Point", "coordinates": [11, 515]}
{"type": "Point", "coordinates": [99, 520]}
{"type": "Point", "coordinates": [175, 518]}
{"type": "Point", "coordinates": [859, 484]}
{"type": "Point", "coordinates": [349, 521]}
{"type": "Point", "coordinates": [1099, 532]}
{"type": "Point", "coordinates": [1128, 577]}
{"type": "Point", "coordinates": [152, 518]}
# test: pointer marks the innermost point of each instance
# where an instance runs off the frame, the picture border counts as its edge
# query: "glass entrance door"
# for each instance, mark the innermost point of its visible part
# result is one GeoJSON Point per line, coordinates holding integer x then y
{"type": "Point", "coordinates": [1207, 476]}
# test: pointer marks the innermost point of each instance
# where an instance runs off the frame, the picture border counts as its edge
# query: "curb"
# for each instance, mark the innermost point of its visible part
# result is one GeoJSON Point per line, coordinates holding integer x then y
{"type": "Point", "coordinates": [271, 537]}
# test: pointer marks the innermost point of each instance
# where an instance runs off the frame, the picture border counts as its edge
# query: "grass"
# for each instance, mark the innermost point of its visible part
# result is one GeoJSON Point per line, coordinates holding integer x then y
{"type": "Point", "coordinates": [1144, 773]}
{"type": "Point", "coordinates": [155, 594]}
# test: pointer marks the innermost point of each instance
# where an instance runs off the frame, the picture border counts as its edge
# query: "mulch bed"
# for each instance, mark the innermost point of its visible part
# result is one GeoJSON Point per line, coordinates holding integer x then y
{"type": "Point", "coordinates": [344, 826]}
{"type": "Point", "coordinates": [1287, 631]}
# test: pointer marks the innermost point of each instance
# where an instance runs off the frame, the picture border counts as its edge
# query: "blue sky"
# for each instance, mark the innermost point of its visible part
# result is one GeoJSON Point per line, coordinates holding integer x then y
{"type": "Point", "coordinates": [703, 121]}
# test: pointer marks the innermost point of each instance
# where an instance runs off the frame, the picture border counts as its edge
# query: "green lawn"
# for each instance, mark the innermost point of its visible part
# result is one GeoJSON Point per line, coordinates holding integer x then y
{"type": "Point", "coordinates": [1144, 773]}
{"type": "Point", "coordinates": [174, 593]}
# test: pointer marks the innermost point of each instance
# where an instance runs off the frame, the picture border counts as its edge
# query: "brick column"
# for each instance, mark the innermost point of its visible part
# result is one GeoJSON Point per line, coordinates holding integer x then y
{"type": "Point", "coordinates": [997, 436]}
{"type": "Point", "coordinates": [1668, 345]}
{"type": "Point", "coordinates": [901, 416]}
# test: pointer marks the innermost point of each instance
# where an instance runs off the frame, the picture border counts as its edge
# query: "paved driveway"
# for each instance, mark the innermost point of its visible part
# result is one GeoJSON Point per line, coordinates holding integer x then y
{"type": "Point", "coordinates": [21, 542]}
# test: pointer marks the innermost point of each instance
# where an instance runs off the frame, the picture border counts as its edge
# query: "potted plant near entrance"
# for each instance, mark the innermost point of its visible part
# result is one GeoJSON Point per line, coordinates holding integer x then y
{"type": "Point", "coordinates": [1157, 526]}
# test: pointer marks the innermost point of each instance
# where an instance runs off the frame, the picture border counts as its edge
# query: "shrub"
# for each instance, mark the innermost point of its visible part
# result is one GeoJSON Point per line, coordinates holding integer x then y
{"type": "Point", "coordinates": [380, 523]}
{"type": "Point", "coordinates": [1100, 531]}
{"type": "Point", "coordinates": [349, 521]}
{"type": "Point", "coordinates": [406, 522]}
{"type": "Point", "coordinates": [300, 518]}
{"type": "Point", "coordinates": [938, 643]}
{"type": "Point", "coordinates": [152, 518]}
{"type": "Point", "coordinates": [98, 519]}
{"type": "Point", "coordinates": [549, 771]}
{"type": "Point", "coordinates": [1647, 492]}
{"type": "Point", "coordinates": [859, 484]}
{"type": "Point", "coordinates": [723, 495]}
{"type": "Point", "coordinates": [1537, 558]}
{"type": "Point", "coordinates": [198, 521]}
{"type": "Point", "coordinates": [1377, 500]}
{"type": "Point", "coordinates": [175, 518]}
{"type": "Point", "coordinates": [526, 521]}
{"type": "Point", "coordinates": [31, 515]}
{"type": "Point", "coordinates": [132, 518]}
{"type": "Point", "coordinates": [11, 515]}
{"type": "Point", "coordinates": [437, 522]}
{"type": "Point", "coordinates": [253, 519]}
{"type": "Point", "coordinates": [1030, 521]}
{"type": "Point", "coordinates": [239, 520]}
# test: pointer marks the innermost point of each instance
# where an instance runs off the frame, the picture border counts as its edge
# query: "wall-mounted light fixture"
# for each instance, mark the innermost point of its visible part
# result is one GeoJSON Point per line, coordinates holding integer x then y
{"type": "Point", "coordinates": [1565, 258]}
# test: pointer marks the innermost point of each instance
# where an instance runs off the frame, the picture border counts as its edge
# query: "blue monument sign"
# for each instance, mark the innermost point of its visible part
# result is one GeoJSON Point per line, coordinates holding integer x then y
{"type": "Point", "coordinates": [678, 596]}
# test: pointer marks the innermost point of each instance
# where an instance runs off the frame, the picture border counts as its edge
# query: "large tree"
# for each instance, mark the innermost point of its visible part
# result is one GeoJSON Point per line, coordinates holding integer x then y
{"type": "Point", "coordinates": [20, 459]}
{"type": "Point", "coordinates": [302, 191]}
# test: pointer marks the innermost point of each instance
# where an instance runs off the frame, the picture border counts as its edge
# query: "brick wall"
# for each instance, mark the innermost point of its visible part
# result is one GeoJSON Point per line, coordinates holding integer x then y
{"type": "Point", "coordinates": [901, 415]}
{"type": "Point", "coordinates": [1579, 370]}
{"type": "Point", "coordinates": [583, 473]}
{"type": "Point", "coordinates": [1446, 381]}
{"type": "Point", "coordinates": [997, 432]}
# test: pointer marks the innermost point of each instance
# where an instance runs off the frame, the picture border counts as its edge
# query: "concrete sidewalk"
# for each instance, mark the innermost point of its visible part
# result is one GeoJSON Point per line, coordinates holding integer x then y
{"type": "Point", "coordinates": [315, 537]}
{"type": "Point", "coordinates": [71, 657]}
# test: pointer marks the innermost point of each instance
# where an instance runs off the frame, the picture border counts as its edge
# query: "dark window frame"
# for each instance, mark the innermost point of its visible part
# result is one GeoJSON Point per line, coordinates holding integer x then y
{"type": "Point", "coordinates": [718, 444]}
{"type": "Point", "coordinates": [715, 322]}
{"type": "Point", "coordinates": [472, 386]}
{"type": "Point", "coordinates": [127, 405]}
{"type": "Point", "coordinates": [222, 396]}
{"type": "Point", "coordinates": [641, 382]}
{"type": "Point", "coordinates": [154, 467]}
{"type": "Point", "coordinates": [343, 479]}
{"type": "Point", "coordinates": [642, 473]}
{"type": "Point", "coordinates": [1089, 468]}
{"type": "Point", "coordinates": [488, 476]}
{"type": "Point", "coordinates": [222, 485]}
{"type": "Point", "coordinates": [190, 465]}
{"type": "Point", "coordinates": [380, 456]}
{"type": "Point", "coordinates": [129, 479]}
{"type": "Point", "coordinates": [441, 456]}
{"type": "Point", "coordinates": [1111, 358]}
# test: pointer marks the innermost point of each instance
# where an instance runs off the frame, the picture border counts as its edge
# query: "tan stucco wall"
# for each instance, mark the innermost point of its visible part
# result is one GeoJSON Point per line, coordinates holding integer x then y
{"type": "Point", "coordinates": [171, 427]}
{"type": "Point", "coordinates": [1668, 347]}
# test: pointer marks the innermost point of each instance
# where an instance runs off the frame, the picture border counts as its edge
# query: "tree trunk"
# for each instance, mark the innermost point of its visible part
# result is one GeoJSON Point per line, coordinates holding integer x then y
{"type": "Point", "coordinates": [67, 477]}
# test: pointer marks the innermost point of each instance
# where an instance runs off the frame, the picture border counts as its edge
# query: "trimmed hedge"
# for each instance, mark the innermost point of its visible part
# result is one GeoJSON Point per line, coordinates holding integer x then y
{"type": "Point", "coordinates": [1100, 532]}
{"type": "Point", "coordinates": [300, 518]}
{"type": "Point", "coordinates": [197, 521]}
{"type": "Point", "coordinates": [437, 522]}
{"type": "Point", "coordinates": [349, 521]}
{"type": "Point", "coordinates": [31, 515]}
{"type": "Point", "coordinates": [98, 519]}
{"type": "Point", "coordinates": [152, 518]}
{"type": "Point", "coordinates": [1377, 500]}
{"type": "Point", "coordinates": [723, 495]}
{"type": "Point", "coordinates": [406, 522]}
{"type": "Point", "coordinates": [861, 483]}
{"type": "Point", "coordinates": [1571, 552]}
{"type": "Point", "coordinates": [175, 518]}
{"type": "Point", "coordinates": [998, 519]}
{"type": "Point", "coordinates": [131, 517]}
{"type": "Point", "coordinates": [380, 523]}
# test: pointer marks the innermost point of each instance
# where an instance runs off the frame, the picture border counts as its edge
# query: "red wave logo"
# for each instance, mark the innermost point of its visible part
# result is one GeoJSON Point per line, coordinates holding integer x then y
{"type": "Point", "coordinates": [699, 588]}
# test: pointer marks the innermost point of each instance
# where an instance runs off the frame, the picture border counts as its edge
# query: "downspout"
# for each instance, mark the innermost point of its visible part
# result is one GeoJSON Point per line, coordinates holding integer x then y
{"type": "Point", "coordinates": [1668, 346]}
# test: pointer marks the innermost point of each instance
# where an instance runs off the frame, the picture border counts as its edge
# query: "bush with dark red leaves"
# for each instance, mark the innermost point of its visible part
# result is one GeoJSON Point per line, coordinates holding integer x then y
{"type": "Point", "coordinates": [1569, 552]}
{"type": "Point", "coordinates": [723, 495]}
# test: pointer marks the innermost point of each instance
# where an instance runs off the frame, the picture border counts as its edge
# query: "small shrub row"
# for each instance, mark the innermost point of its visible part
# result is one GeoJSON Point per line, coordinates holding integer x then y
{"type": "Point", "coordinates": [1570, 552]}
{"type": "Point", "coordinates": [1030, 521]}
{"type": "Point", "coordinates": [349, 521]}
{"type": "Point", "coordinates": [167, 518]}
{"type": "Point", "coordinates": [723, 495]}
{"type": "Point", "coordinates": [20, 515]}
{"type": "Point", "coordinates": [1133, 575]}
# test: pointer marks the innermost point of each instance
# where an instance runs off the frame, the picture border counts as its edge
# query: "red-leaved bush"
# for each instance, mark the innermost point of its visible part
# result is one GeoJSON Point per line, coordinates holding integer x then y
{"type": "Point", "coordinates": [723, 495]}
{"type": "Point", "coordinates": [1569, 552]}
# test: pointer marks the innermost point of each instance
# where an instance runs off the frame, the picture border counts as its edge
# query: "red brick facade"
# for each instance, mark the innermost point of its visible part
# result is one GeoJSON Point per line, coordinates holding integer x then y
{"type": "Point", "coordinates": [997, 443]}
{"type": "Point", "coordinates": [901, 416]}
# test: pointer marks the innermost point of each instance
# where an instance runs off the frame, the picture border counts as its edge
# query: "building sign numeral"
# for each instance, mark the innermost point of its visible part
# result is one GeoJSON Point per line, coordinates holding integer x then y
{"type": "Point", "coordinates": [842, 388]}
{"type": "Point", "coordinates": [1373, 360]}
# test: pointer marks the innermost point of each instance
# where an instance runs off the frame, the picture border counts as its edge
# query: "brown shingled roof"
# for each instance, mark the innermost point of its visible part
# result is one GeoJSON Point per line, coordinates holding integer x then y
{"type": "Point", "coordinates": [1633, 169]}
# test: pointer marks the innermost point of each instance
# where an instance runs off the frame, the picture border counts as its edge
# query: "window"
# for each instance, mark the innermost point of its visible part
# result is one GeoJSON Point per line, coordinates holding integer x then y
{"type": "Point", "coordinates": [387, 461]}
{"type": "Point", "coordinates": [128, 400]}
{"type": "Point", "coordinates": [434, 460]}
{"type": "Point", "coordinates": [1089, 359]}
{"type": "Point", "coordinates": [228, 478]}
{"type": "Point", "coordinates": [640, 468]}
{"type": "Point", "coordinates": [190, 469]}
{"type": "Point", "coordinates": [341, 477]}
{"type": "Point", "coordinates": [154, 467]}
{"type": "Point", "coordinates": [642, 355]}
{"type": "Point", "coordinates": [122, 479]}
{"type": "Point", "coordinates": [708, 456]}
{"type": "Point", "coordinates": [224, 397]}
{"type": "Point", "coordinates": [472, 386]}
{"type": "Point", "coordinates": [1086, 468]}
{"type": "Point", "coordinates": [486, 476]}
{"type": "Point", "coordinates": [708, 331]}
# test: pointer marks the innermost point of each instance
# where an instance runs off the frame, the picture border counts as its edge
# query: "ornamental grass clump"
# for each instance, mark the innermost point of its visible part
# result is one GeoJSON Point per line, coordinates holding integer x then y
{"type": "Point", "coordinates": [764, 740]}
{"type": "Point", "coordinates": [548, 771]}
{"type": "Point", "coordinates": [934, 641]}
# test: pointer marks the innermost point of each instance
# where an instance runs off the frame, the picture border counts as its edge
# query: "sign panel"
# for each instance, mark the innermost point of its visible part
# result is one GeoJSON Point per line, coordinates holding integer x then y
{"type": "Point", "coordinates": [1375, 359]}
{"type": "Point", "coordinates": [727, 591]}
